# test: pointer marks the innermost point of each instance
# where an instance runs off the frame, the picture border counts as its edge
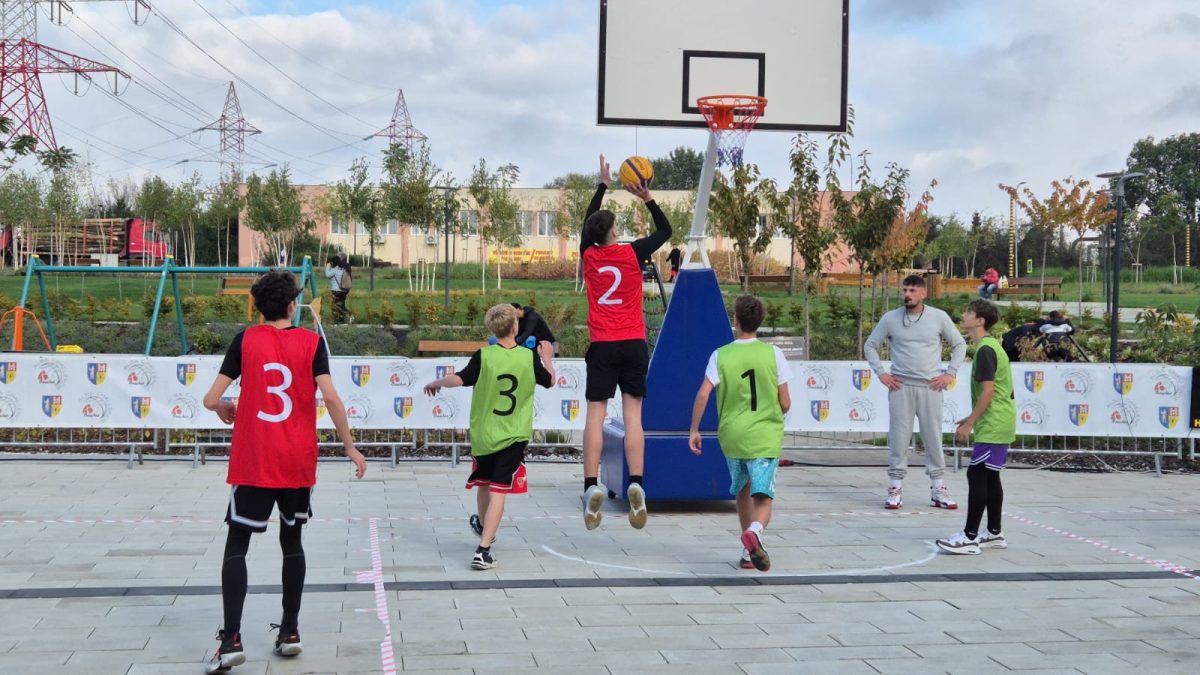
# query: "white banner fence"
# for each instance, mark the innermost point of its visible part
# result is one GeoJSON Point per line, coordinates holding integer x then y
{"type": "Point", "coordinates": [60, 391]}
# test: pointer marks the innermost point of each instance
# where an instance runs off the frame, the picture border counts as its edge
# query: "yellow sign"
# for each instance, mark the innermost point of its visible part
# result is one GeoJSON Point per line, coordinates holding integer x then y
{"type": "Point", "coordinates": [521, 255]}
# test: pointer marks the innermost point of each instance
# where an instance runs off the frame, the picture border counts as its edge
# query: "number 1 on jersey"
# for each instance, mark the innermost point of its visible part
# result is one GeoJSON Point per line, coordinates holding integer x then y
{"type": "Point", "coordinates": [749, 374]}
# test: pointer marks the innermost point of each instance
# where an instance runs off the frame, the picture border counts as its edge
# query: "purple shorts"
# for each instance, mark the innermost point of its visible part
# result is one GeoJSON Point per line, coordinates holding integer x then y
{"type": "Point", "coordinates": [992, 455]}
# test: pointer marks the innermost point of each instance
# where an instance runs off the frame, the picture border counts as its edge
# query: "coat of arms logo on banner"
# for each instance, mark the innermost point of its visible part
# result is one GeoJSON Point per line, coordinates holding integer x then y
{"type": "Point", "coordinates": [1078, 414]}
{"type": "Point", "coordinates": [1034, 380]}
{"type": "Point", "coordinates": [1123, 383]}
{"type": "Point", "coordinates": [97, 372]}
{"type": "Point", "coordinates": [403, 406]}
{"type": "Point", "coordinates": [8, 372]}
{"type": "Point", "coordinates": [51, 405]}
{"type": "Point", "coordinates": [140, 406]}
{"type": "Point", "coordinates": [185, 373]}
{"type": "Point", "coordinates": [861, 378]}
{"type": "Point", "coordinates": [820, 410]}
{"type": "Point", "coordinates": [570, 409]}
{"type": "Point", "coordinates": [360, 375]}
{"type": "Point", "coordinates": [1168, 416]}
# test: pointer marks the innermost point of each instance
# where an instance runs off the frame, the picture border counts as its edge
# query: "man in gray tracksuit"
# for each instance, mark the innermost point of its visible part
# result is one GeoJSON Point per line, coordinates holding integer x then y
{"type": "Point", "coordinates": [915, 334]}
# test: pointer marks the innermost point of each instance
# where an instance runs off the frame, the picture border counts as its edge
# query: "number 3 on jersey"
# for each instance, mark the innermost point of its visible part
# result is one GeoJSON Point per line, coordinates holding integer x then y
{"type": "Point", "coordinates": [606, 299]}
{"type": "Point", "coordinates": [279, 390]}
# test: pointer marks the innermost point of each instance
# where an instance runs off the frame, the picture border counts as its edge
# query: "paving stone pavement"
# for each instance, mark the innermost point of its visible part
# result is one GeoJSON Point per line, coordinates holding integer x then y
{"type": "Point", "coordinates": [109, 570]}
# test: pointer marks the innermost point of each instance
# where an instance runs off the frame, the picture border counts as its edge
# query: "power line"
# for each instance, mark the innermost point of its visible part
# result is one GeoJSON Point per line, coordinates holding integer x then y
{"type": "Point", "coordinates": [277, 68]}
{"type": "Point", "coordinates": [179, 31]}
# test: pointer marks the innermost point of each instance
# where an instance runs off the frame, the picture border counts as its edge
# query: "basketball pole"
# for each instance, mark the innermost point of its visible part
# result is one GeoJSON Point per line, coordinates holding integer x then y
{"type": "Point", "coordinates": [695, 239]}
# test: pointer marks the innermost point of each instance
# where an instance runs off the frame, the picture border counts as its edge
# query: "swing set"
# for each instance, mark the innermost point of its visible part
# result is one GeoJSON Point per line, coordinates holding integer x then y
{"type": "Point", "coordinates": [167, 271]}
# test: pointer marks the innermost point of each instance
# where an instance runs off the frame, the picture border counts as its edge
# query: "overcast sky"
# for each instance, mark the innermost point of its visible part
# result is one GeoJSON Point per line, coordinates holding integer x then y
{"type": "Point", "coordinates": [969, 92]}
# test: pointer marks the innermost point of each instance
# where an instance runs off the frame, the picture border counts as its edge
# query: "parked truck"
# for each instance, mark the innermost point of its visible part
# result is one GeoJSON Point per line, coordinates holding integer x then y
{"type": "Point", "coordinates": [91, 241]}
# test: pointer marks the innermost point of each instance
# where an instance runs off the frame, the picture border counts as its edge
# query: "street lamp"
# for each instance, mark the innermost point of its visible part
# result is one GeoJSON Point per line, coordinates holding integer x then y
{"type": "Point", "coordinates": [1119, 192]}
{"type": "Point", "coordinates": [446, 238]}
{"type": "Point", "coordinates": [1012, 232]}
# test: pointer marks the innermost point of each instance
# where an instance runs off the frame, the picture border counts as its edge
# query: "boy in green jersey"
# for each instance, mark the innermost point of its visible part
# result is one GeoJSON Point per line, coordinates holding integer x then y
{"type": "Point", "coordinates": [503, 376]}
{"type": "Point", "coordinates": [993, 419]}
{"type": "Point", "coordinates": [752, 397]}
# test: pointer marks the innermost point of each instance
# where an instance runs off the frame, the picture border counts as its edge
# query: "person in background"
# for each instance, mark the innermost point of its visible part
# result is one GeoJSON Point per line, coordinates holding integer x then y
{"type": "Point", "coordinates": [530, 323]}
{"type": "Point", "coordinates": [674, 258]}
{"type": "Point", "coordinates": [991, 281]}
{"type": "Point", "coordinates": [337, 270]}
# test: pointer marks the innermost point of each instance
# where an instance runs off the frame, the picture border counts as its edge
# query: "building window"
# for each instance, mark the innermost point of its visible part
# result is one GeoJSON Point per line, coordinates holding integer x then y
{"type": "Point", "coordinates": [525, 218]}
{"type": "Point", "coordinates": [392, 226]}
{"type": "Point", "coordinates": [360, 229]}
{"type": "Point", "coordinates": [763, 221]}
{"type": "Point", "coordinates": [546, 222]}
{"type": "Point", "coordinates": [337, 225]}
{"type": "Point", "coordinates": [468, 223]}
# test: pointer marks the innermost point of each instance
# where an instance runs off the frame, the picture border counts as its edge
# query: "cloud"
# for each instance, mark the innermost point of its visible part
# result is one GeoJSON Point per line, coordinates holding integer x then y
{"type": "Point", "coordinates": [970, 93]}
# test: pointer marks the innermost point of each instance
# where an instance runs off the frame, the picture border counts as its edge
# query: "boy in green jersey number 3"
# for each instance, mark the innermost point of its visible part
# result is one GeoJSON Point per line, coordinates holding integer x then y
{"type": "Point", "coordinates": [752, 397]}
{"type": "Point", "coordinates": [503, 376]}
{"type": "Point", "coordinates": [993, 419]}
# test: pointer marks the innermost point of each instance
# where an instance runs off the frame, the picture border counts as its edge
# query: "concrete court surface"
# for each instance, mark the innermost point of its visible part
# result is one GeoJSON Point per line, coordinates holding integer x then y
{"type": "Point", "coordinates": [105, 569]}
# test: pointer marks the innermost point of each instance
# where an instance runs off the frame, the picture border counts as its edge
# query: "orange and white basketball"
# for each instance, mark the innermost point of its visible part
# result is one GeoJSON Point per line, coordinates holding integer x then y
{"type": "Point", "coordinates": [636, 170]}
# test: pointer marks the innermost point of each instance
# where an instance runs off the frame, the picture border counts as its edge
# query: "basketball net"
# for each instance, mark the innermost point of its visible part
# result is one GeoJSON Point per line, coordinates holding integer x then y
{"type": "Point", "coordinates": [730, 119]}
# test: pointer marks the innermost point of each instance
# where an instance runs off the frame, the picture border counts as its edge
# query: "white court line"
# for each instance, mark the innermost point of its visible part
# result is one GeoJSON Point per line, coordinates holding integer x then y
{"type": "Point", "coordinates": [933, 551]}
{"type": "Point", "coordinates": [594, 563]}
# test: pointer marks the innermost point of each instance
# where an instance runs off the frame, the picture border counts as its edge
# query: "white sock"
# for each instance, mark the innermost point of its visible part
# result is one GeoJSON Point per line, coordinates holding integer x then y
{"type": "Point", "coordinates": [937, 483]}
{"type": "Point", "coordinates": [897, 483]}
{"type": "Point", "coordinates": [756, 527]}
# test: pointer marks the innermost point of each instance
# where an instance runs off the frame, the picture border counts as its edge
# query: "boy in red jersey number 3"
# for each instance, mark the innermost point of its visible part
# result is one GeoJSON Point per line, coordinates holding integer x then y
{"type": "Point", "coordinates": [273, 457]}
{"type": "Point", "coordinates": [618, 355]}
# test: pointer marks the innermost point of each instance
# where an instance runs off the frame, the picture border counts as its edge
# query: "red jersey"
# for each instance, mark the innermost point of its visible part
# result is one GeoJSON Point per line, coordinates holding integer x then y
{"type": "Point", "coordinates": [614, 289]}
{"type": "Point", "coordinates": [275, 431]}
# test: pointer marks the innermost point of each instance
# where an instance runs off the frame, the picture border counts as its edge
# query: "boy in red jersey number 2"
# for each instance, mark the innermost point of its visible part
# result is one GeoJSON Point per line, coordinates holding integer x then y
{"type": "Point", "coordinates": [618, 355]}
{"type": "Point", "coordinates": [273, 457]}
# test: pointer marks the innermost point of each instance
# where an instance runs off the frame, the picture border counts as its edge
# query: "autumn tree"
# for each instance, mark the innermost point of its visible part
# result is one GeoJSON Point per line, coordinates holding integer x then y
{"type": "Point", "coordinates": [274, 210]}
{"type": "Point", "coordinates": [734, 208]}
{"type": "Point", "coordinates": [499, 210]}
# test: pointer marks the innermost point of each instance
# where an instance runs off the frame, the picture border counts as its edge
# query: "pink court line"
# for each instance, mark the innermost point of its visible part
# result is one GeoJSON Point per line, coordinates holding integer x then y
{"type": "Point", "coordinates": [387, 655]}
{"type": "Point", "coordinates": [1181, 570]}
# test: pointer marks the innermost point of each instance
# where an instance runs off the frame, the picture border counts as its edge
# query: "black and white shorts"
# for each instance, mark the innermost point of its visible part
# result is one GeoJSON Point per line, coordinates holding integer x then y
{"type": "Point", "coordinates": [250, 507]}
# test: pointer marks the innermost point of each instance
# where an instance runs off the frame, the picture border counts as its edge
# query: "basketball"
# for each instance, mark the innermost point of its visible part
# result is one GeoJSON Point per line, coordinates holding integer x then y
{"type": "Point", "coordinates": [636, 170]}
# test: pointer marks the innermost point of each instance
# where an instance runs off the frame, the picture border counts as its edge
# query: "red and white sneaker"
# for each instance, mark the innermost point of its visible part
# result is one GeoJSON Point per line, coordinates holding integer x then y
{"type": "Point", "coordinates": [894, 499]}
{"type": "Point", "coordinates": [939, 497]}
{"type": "Point", "coordinates": [758, 555]}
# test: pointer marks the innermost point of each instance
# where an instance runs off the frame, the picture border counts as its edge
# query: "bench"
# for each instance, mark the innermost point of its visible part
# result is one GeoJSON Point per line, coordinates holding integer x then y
{"type": "Point", "coordinates": [450, 346]}
{"type": "Point", "coordinates": [959, 285]}
{"type": "Point", "coordinates": [842, 279]}
{"type": "Point", "coordinates": [1032, 286]}
{"type": "Point", "coordinates": [779, 281]}
{"type": "Point", "coordinates": [239, 286]}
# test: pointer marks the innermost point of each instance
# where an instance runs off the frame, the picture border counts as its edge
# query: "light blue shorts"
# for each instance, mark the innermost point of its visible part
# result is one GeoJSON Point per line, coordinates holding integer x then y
{"type": "Point", "coordinates": [759, 472]}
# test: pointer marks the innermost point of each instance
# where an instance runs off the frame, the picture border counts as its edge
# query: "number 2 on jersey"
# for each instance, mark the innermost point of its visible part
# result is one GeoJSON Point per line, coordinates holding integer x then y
{"type": "Point", "coordinates": [607, 298]}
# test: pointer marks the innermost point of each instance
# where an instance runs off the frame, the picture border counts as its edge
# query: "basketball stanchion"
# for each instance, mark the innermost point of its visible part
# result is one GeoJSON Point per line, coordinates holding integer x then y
{"type": "Point", "coordinates": [695, 325]}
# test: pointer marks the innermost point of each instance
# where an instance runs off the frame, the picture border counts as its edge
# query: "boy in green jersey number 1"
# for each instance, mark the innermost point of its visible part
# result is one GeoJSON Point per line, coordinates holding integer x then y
{"type": "Point", "coordinates": [503, 376]}
{"type": "Point", "coordinates": [752, 397]}
{"type": "Point", "coordinates": [993, 419]}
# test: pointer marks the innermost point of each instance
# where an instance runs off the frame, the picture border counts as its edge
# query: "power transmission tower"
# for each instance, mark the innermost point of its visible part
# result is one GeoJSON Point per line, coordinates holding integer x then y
{"type": "Point", "coordinates": [401, 130]}
{"type": "Point", "coordinates": [23, 60]}
{"type": "Point", "coordinates": [234, 129]}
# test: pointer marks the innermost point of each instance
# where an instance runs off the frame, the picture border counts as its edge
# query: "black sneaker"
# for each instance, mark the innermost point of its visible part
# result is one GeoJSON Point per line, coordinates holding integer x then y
{"type": "Point", "coordinates": [483, 560]}
{"type": "Point", "coordinates": [228, 655]}
{"type": "Point", "coordinates": [476, 525]}
{"type": "Point", "coordinates": [287, 642]}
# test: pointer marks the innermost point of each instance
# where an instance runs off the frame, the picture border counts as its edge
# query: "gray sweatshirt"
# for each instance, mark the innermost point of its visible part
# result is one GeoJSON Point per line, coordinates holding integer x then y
{"type": "Point", "coordinates": [916, 344]}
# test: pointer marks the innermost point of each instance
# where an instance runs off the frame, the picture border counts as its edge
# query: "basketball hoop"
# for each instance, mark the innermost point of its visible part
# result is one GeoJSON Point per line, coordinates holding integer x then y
{"type": "Point", "coordinates": [731, 117]}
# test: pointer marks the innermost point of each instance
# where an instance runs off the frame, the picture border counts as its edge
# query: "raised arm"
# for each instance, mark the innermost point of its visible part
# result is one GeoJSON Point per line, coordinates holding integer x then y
{"type": "Point", "coordinates": [646, 246]}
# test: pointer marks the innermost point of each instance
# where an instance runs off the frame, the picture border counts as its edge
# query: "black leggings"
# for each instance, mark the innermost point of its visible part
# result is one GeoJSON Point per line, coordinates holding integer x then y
{"type": "Point", "coordinates": [234, 577]}
{"type": "Point", "coordinates": [984, 492]}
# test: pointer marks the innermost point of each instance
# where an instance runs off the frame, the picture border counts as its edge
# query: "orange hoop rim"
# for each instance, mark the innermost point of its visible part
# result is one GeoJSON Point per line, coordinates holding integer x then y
{"type": "Point", "coordinates": [731, 111]}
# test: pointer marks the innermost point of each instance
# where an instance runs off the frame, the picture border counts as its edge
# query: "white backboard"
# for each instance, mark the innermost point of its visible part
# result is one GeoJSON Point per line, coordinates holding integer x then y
{"type": "Point", "coordinates": [658, 56]}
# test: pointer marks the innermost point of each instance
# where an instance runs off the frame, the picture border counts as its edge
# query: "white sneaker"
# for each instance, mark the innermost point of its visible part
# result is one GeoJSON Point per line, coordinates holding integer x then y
{"type": "Point", "coordinates": [593, 499]}
{"type": "Point", "coordinates": [989, 540]}
{"type": "Point", "coordinates": [939, 497]}
{"type": "Point", "coordinates": [894, 499]}
{"type": "Point", "coordinates": [637, 506]}
{"type": "Point", "coordinates": [959, 544]}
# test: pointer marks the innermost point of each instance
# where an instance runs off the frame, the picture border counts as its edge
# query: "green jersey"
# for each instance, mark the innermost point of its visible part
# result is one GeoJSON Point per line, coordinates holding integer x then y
{"type": "Point", "coordinates": [749, 417]}
{"type": "Point", "coordinates": [998, 424]}
{"type": "Point", "coordinates": [502, 401]}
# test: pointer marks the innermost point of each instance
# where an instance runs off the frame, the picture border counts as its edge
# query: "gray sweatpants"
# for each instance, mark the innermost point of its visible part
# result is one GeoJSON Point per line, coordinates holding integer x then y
{"type": "Point", "coordinates": [915, 399]}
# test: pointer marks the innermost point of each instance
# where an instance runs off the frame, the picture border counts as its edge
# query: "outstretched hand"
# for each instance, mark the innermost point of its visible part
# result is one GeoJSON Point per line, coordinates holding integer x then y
{"type": "Point", "coordinates": [605, 171]}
